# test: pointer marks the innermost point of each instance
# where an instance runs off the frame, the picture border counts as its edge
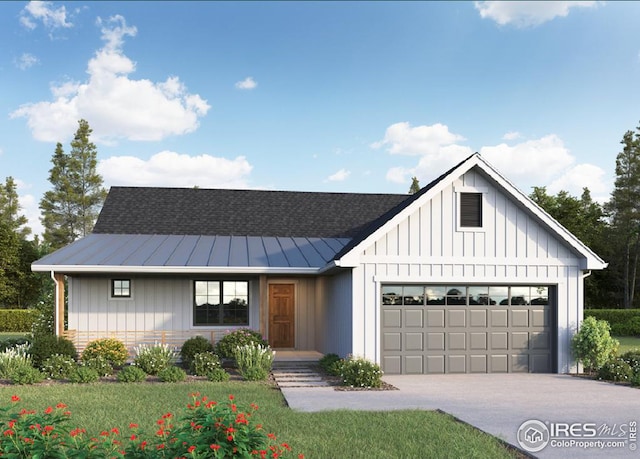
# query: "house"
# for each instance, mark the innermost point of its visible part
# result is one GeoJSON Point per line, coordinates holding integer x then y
{"type": "Point", "coordinates": [467, 275]}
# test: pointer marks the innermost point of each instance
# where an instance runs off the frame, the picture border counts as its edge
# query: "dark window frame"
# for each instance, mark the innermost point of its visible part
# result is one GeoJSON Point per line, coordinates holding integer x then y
{"type": "Point", "coordinates": [219, 310]}
{"type": "Point", "coordinates": [121, 291]}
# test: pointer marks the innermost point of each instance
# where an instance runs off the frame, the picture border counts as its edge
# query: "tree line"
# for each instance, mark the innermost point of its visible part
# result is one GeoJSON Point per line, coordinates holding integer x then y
{"type": "Point", "coordinates": [70, 208]}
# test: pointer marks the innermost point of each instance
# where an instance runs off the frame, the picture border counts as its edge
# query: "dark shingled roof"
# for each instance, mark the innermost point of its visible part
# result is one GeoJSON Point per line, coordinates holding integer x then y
{"type": "Point", "coordinates": [196, 211]}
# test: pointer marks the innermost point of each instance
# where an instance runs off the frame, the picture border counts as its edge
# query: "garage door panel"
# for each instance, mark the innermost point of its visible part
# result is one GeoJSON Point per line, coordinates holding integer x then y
{"type": "Point", "coordinates": [498, 318]}
{"type": "Point", "coordinates": [456, 318]}
{"type": "Point", "coordinates": [391, 364]}
{"type": "Point", "coordinates": [392, 341]}
{"type": "Point", "coordinates": [520, 363]}
{"type": "Point", "coordinates": [478, 341]}
{"type": "Point", "coordinates": [457, 364]}
{"type": "Point", "coordinates": [520, 318]}
{"type": "Point", "coordinates": [478, 364]}
{"type": "Point", "coordinates": [435, 364]}
{"type": "Point", "coordinates": [540, 317]}
{"type": "Point", "coordinates": [435, 341]}
{"type": "Point", "coordinates": [478, 318]}
{"type": "Point", "coordinates": [540, 341]}
{"type": "Point", "coordinates": [435, 318]}
{"type": "Point", "coordinates": [414, 341]}
{"type": "Point", "coordinates": [499, 363]}
{"type": "Point", "coordinates": [499, 341]}
{"type": "Point", "coordinates": [540, 363]}
{"type": "Point", "coordinates": [520, 340]}
{"type": "Point", "coordinates": [413, 318]}
{"type": "Point", "coordinates": [457, 341]}
{"type": "Point", "coordinates": [391, 318]}
{"type": "Point", "coordinates": [413, 364]}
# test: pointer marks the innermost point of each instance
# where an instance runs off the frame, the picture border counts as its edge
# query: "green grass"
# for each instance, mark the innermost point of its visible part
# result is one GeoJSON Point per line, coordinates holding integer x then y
{"type": "Point", "coordinates": [8, 335]}
{"type": "Point", "coordinates": [628, 343]}
{"type": "Point", "coordinates": [335, 434]}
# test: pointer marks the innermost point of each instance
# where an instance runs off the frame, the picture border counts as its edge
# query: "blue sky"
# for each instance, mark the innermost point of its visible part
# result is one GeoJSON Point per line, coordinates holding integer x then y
{"type": "Point", "coordinates": [319, 96]}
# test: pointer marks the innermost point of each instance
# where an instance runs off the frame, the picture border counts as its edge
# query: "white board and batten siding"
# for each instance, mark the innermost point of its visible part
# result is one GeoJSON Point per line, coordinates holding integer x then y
{"type": "Point", "coordinates": [426, 246]}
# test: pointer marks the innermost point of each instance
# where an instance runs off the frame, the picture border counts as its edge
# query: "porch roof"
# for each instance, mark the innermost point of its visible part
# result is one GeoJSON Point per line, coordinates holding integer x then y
{"type": "Point", "coordinates": [155, 253]}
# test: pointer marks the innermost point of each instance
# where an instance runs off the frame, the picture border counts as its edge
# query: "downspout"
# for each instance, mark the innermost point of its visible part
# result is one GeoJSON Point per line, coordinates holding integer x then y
{"type": "Point", "coordinates": [55, 304]}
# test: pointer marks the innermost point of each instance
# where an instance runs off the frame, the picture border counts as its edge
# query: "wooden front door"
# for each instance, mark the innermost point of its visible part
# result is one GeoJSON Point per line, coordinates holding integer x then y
{"type": "Point", "coordinates": [281, 315]}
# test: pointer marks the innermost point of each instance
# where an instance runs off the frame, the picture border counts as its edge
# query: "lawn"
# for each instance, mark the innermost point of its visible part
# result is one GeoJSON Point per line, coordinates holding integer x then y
{"type": "Point", "coordinates": [335, 434]}
{"type": "Point", "coordinates": [628, 343]}
{"type": "Point", "coordinates": [12, 335]}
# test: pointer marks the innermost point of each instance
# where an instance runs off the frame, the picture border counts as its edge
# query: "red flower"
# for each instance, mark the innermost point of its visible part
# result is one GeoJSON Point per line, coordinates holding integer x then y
{"type": "Point", "coordinates": [230, 438]}
{"type": "Point", "coordinates": [211, 404]}
{"type": "Point", "coordinates": [12, 423]}
{"type": "Point", "coordinates": [233, 407]}
{"type": "Point", "coordinates": [231, 397]}
{"type": "Point", "coordinates": [61, 406]}
{"type": "Point", "coordinates": [9, 433]}
{"type": "Point", "coordinates": [143, 445]}
{"type": "Point", "coordinates": [300, 456]}
{"type": "Point", "coordinates": [133, 425]}
{"type": "Point", "coordinates": [286, 446]}
{"type": "Point", "coordinates": [15, 398]}
{"type": "Point", "coordinates": [160, 446]}
{"type": "Point", "coordinates": [104, 433]}
{"type": "Point", "coordinates": [115, 431]}
{"type": "Point", "coordinates": [49, 410]}
{"type": "Point", "coordinates": [214, 447]}
{"type": "Point", "coordinates": [271, 436]}
{"type": "Point", "coordinates": [191, 449]}
{"type": "Point", "coordinates": [48, 429]}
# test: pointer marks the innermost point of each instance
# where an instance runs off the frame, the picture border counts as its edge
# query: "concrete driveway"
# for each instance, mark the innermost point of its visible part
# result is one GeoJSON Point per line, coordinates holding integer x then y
{"type": "Point", "coordinates": [500, 404]}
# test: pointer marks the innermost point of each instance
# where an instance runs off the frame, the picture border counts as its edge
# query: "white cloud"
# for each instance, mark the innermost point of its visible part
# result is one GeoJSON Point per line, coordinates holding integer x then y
{"type": "Point", "coordinates": [339, 176]}
{"type": "Point", "coordinates": [115, 105]}
{"type": "Point", "coordinates": [248, 84]}
{"type": "Point", "coordinates": [511, 135]}
{"type": "Point", "coordinates": [576, 178]}
{"type": "Point", "coordinates": [398, 174]}
{"type": "Point", "coordinates": [527, 13]}
{"type": "Point", "coordinates": [402, 139]}
{"type": "Point", "coordinates": [26, 61]}
{"type": "Point", "coordinates": [30, 208]}
{"type": "Point", "coordinates": [51, 18]}
{"type": "Point", "coordinates": [169, 168]}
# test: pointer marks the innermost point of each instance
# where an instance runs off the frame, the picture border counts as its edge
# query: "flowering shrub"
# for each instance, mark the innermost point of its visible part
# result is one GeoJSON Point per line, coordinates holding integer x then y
{"type": "Point", "coordinates": [194, 346]}
{"type": "Point", "coordinates": [111, 349]}
{"type": "Point", "coordinates": [254, 361]}
{"type": "Point", "coordinates": [207, 429]}
{"type": "Point", "coordinates": [154, 359]}
{"type": "Point", "coordinates": [360, 372]}
{"type": "Point", "coordinates": [13, 358]}
{"type": "Point", "coordinates": [615, 370]}
{"type": "Point", "coordinates": [131, 373]}
{"type": "Point", "coordinates": [58, 366]}
{"type": "Point", "coordinates": [241, 337]}
{"type": "Point", "coordinates": [633, 359]}
{"type": "Point", "coordinates": [204, 363]}
{"type": "Point", "coordinates": [44, 346]}
{"type": "Point", "coordinates": [99, 364]}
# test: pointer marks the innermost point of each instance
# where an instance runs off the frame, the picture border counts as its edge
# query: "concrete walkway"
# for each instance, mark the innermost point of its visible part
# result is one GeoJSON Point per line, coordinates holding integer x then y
{"type": "Point", "coordinates": [497, 404]}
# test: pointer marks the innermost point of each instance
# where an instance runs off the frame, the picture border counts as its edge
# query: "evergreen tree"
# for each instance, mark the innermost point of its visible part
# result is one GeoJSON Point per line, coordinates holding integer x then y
{"type": "Point", "coordinates": [624, 209]}
{"type": "Point", "coordinates": [69, 211]}
{"type": "Point", "coordinates": [415, 186]}
{"type": "Point", "coordinates": [10, 208]}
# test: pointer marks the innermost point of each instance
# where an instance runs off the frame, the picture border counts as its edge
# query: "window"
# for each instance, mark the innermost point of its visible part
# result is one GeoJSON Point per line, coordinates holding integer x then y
{"type": "Point", "coordinates": [471, 210]}
{"type": "Point", "coordinates": [220, 302]}
{"type": "Point", "coordinates": [120, 288]}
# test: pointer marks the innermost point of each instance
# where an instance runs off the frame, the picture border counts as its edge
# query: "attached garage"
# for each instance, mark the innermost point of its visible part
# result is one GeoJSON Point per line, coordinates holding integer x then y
{"type": "Point", "coordinates": [431, 329]}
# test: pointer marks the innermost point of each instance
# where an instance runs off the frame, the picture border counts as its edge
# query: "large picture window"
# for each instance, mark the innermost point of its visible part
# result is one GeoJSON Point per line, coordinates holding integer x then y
{"type": "Point", "coordinates": [221, 302]}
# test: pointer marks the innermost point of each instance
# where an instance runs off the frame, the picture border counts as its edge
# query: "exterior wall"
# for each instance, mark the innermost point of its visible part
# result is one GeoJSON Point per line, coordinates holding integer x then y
{"type": "Point", "coordinates": [427, 246]}
{"type": "Point", "coordinates": [334, 316]}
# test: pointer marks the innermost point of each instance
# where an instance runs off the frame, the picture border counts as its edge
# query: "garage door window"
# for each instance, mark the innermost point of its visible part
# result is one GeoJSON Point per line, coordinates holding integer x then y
{"type": "Point", "coordinates": [461, 295]}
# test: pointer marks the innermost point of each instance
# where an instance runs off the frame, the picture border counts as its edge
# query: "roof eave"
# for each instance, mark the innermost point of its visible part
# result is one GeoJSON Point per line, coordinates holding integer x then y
{"type": "Point", "coordinates": [102, 269]}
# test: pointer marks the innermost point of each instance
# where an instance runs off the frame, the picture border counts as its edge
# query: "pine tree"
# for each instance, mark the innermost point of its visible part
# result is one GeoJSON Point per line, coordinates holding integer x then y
{"type": "Point", "coordinates": [10, 208]}
{"type": "Point", "coordinates": [69, 211]}
{"type": "Point", "coordinates": [415, 186]}
{"type": "Point", "coordinates": [624, 208]}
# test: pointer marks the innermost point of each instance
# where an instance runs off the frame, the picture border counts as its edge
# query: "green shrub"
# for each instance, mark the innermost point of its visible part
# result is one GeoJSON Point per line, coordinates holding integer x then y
{"type": "Point", "coordinates": [58, 366]}
{"type": "Point", "coordinates": [633, 359]}
{"type": "Point", "coordinates": [44, 346]}
{"type": "Point", "coordinates": [131, 373]}
{"type": "Point", "coordinates": [616, 370]}
{"type": "Point", "coordinates": [111, 349]}
{"type": "Point", "coordinates": [635, 380]}
{"type": "Point", "coordinates": [218, 375]}
{"type": "Point", "coordinates": [254, 361]}
{"type": "Point", "coordinates": [193, 346]}
{"type": "Point", "coordinates": [623, 322]}
{"type": "Point", "coordinates": [593, 346]}
{"type": "Point", "coordinates": [204, 363]}
{"type": "Point", "coordinates": [17, 320]}
{"type": "Point", "coordinates": [360, 372]}
{"type": "Point", "coordinates": [331, 364]}
{"type": "Point", "coordinates": [25, 375]}
{"type": "Point", "coordinates": [172, 374]}
{"type": "Point", "coordinates": [99, 364]}
{"type": "Point", "coordinates": [241, 337]}
{"type": "Point", "coordinates": [12, 343]}
{"type": "Point", "coordinates": [83, 375]}
{"type": "Point", "coordinates": [154, 359]}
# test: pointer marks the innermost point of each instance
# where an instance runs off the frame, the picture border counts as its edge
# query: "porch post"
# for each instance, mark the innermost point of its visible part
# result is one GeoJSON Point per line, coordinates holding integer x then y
{"type": "Point", "coordinates": [264, 309]}
{"type": "Point", "coordinates": [59, 303]}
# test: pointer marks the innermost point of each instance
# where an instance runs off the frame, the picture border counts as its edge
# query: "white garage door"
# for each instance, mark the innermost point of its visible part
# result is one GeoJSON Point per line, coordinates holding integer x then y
{"type": "Point", "coordinates": [467, 329]}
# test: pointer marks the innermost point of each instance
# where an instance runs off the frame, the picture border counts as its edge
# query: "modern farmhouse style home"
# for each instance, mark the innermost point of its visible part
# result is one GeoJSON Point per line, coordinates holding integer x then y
{"type": "Point", "coordinates": [467, 275]}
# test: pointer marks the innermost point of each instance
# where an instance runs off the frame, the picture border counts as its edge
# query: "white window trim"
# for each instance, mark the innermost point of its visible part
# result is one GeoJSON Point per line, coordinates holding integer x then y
{"type": "Point", "coordinates": [120, 298]}
{"type": "Point", "coordinates": [471, 189]}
